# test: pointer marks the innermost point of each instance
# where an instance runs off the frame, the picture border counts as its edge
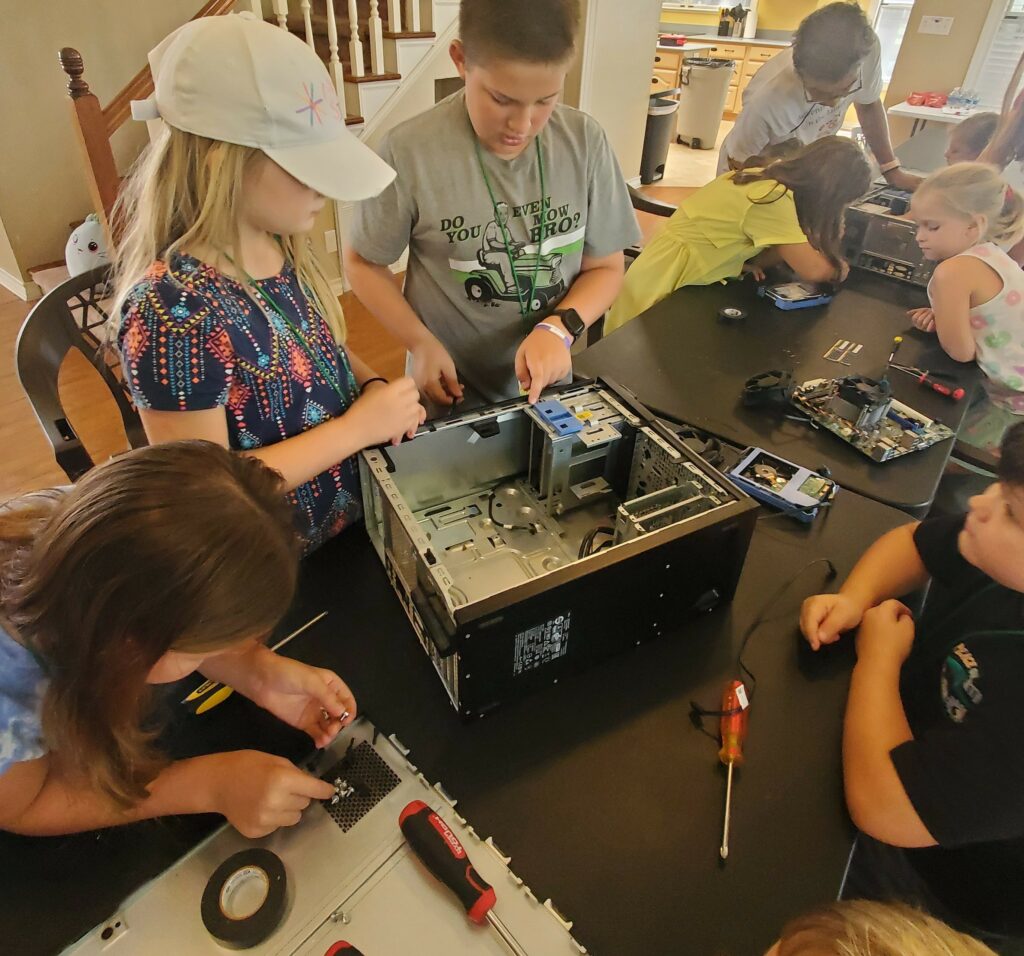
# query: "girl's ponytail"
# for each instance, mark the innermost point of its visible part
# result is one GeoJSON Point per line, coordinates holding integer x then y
{"type": "Point", "coordinates": [824, 177]}
{"type": "Point", "coordinates": [1008, 229]}
{"type": "Point", "coordinates": [968, 190]}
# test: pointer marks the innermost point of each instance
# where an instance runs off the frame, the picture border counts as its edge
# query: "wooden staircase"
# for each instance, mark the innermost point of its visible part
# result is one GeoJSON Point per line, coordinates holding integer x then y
{"type": "Point", "coordinates": [359, 42]}
{"type": "Point", "coordinates": [372, 59]}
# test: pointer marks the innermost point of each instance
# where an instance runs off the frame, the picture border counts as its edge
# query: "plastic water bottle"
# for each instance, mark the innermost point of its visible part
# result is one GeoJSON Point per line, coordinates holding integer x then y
{"type": "Point", "coordinates": [955, 100]}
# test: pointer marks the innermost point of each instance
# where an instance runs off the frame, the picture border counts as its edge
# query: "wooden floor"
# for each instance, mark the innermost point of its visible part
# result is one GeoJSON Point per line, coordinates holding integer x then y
{"type": "Point", "coordinates": [26, 459]}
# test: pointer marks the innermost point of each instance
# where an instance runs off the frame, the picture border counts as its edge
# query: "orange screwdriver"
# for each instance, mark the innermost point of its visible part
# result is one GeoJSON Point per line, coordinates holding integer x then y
{"type": "Point", "coordinates": [733, 731]}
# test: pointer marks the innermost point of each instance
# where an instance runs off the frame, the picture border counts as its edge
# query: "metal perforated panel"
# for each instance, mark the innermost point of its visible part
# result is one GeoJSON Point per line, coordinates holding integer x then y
{"type": "Point", "coordinates": [366, 780]}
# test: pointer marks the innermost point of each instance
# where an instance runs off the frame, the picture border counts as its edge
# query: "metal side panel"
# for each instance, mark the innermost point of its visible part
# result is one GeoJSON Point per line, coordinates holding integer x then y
{"type": "Point", "coordinates": [362, 885]}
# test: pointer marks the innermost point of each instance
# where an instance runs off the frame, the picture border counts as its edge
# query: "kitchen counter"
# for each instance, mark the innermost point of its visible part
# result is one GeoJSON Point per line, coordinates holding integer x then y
{"type": "Point", "coordinates": [752, 41]}
{"type": "Point", "coordinates": [689, 48]}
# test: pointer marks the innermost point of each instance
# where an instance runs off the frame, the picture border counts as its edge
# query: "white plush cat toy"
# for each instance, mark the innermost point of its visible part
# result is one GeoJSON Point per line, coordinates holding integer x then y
{"type": "Point", "coordinates": [87, 247]}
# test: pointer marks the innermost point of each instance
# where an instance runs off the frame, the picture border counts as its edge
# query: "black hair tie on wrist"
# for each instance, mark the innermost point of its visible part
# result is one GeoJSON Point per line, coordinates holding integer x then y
{"type": "Point", "coordinates": [376, 378]}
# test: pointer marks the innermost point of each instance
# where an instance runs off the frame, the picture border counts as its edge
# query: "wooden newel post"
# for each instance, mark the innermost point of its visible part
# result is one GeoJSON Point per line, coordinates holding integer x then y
{"type": "Point", "coordinates": [91, 129]}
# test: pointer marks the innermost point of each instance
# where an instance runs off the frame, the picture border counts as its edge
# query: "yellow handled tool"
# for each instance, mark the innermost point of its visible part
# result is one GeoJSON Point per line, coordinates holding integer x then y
{"type": "Point", "coordinates": [210, 692]}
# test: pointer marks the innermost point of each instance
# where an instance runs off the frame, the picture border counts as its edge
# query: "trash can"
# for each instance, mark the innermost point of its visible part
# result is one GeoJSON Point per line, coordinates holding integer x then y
{"type": "Point", "coordinates": [661, 123]}
{"type": "Point", "coordinates": [705, 86]}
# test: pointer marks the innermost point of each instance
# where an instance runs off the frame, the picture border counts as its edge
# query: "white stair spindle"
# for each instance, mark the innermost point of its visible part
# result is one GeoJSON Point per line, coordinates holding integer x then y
{"type": "Point", "coordinates": [394, 16]}
{"type": "Point", "coordinates": [307, 19]}
{"type": "Point", "coordinates": [281, 12]}
{"type": "Point", "coordinates": [355, 45]}
{"type": "Point", "coordinates": [412, 19]}
{"type": "Point", "coordinates": [332, 43]}
{"type": "Point", "coordinates": [376, 39]}
{"type": "Point", "coordinates": [257, 7]}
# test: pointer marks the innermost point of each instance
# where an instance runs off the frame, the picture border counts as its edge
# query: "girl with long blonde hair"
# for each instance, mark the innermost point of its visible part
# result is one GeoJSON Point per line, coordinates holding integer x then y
{"type": "Point", "coordinates": [227, 327]}
{"type": "Point", "coordinates": [866, 928]}
{"type": "Point", "coordinates": [966, 217]}
{"type": "Point", "coordinates": [134, 577]}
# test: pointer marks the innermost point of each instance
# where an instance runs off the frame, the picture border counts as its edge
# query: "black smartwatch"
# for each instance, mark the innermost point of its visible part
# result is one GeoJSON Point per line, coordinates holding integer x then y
{"type": "Point", "coordinates": [574, 325]}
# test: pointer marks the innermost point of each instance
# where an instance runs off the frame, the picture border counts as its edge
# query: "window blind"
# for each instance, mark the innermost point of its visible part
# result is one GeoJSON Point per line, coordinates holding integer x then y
{"type": "Point", "coordinates": [1003, 53]}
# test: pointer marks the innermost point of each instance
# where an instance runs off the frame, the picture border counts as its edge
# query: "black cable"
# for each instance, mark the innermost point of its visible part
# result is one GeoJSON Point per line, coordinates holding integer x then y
{"type": "Point", "coordinates": [759, 620]}
{"type": "Point", "coordinates": [698, 713]}
{"type": "Point", "coordinates": [587, 544]}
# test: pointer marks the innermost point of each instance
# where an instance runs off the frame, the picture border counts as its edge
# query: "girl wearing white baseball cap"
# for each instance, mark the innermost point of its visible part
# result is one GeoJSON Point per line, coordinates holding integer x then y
{"type": "Point", "coordinates": [228, 329]}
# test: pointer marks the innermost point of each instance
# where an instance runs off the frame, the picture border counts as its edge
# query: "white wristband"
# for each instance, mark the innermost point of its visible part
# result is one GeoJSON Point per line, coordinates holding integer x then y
{"type": "Point", "coordinates": [554, 330]}
{"type": "Point", "coordinates": [890, 166]}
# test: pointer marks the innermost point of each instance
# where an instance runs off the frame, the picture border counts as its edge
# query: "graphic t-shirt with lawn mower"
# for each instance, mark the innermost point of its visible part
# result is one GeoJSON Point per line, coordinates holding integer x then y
{"type": "Point", "coordinates": [475, 263]}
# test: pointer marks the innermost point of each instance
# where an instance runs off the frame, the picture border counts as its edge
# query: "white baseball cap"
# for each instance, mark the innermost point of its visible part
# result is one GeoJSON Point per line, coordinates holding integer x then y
{"type": "Point", "coordinates": [237, 79]}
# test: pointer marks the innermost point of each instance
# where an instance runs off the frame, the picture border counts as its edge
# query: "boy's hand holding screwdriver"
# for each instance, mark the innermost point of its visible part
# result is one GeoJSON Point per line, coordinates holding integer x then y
{"type": "Point", "coordinates": [434, 371]}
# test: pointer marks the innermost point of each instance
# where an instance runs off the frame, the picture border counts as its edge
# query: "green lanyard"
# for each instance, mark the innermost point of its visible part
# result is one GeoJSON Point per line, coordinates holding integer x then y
{"type": "Point", "coordinates": [263, 299]}
{"type": "Point", "coordinates": [506, 238]}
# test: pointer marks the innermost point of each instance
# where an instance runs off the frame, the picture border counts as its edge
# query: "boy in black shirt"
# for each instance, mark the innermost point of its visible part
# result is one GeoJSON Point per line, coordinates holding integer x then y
{"type": "Point", "coordinates": [933, 743]}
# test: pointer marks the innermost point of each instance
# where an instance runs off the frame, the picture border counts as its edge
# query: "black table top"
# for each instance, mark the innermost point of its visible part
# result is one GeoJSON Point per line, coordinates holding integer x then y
{"type": "Point", "coordinates": [683, 362]}
{"type": "Point", "coordinates": [607, 798]}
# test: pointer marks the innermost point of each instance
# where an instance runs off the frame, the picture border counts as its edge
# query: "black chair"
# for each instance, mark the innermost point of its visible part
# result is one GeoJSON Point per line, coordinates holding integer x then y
{"type": "Point", "coordinates": [646, 204]}
{"type": "Point", "coordinates": [70, 317]}
{"type": "Point", "coordinates": [643, 204]}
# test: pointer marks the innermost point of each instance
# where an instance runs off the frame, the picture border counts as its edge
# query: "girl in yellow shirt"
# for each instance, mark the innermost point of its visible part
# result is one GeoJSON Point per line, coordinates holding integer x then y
{"type": "Point", "coordinates": [790, 211]}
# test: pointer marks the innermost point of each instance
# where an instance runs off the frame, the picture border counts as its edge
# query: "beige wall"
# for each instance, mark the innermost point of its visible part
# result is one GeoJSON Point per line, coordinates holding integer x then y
{"type": "Point", "coordinates": [619, 46]}
{"type": "Point", "coordinates": [42, 188]}
{"type": "Point", "coordinates": [8, 261]}
{"type": "Point", "coordinates": [928, 62]}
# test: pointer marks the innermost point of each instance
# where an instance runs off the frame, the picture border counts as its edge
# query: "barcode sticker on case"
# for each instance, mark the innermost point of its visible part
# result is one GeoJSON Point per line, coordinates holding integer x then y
{"type": "Point", "coordinates": [541, 644]}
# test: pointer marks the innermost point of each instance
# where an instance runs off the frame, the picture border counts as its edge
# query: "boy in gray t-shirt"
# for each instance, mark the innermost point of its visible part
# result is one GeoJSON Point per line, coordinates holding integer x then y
{"type": "Point", "coordinates": [514, 210]}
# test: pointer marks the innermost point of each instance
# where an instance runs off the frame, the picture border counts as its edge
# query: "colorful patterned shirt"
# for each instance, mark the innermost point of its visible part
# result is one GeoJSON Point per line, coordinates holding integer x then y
{"type": "Point", "coordinates": [192, 338]}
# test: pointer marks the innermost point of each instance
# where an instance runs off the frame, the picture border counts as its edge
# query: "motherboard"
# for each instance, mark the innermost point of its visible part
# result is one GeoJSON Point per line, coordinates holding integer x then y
{"type": "Point", "coordinates": [862, 412]}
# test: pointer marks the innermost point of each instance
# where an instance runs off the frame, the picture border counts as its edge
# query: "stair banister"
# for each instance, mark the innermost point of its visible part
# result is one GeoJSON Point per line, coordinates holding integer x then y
{"type": "Point", "coordinates": [376, 30]}
{"type": "Point", "coordinates": [394, 16]}
{"type": "Point", "coordinates": [412, 19]}
{"type": "Point", "coordinates": [307, 20]}
{"type": "Point", "coordinates": [355, 45]}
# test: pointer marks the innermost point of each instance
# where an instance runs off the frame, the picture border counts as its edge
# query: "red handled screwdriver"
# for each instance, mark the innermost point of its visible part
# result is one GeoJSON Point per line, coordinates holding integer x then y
{"type": "Point", "coordinates": [923, 378]}
{"type": "Point", "coordinates": [733, 731]}
{"type": "Point", "coordinates": [342, 948]}
{"type": "Point", "coordinates": [440, 851]}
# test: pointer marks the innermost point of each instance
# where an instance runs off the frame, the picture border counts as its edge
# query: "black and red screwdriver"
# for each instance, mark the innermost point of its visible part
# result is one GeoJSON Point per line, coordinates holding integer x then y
{"type": "Point", "coordinates": [733, 732]}
{"type": "Point", "coordinates": [929, 380]}
{"type": "Point", "coordinates": [440, 850]}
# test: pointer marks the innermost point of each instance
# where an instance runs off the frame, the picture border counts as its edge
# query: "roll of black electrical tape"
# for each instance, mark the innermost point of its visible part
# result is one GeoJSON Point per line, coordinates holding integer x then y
{"type": "Point", "coordinates": [730, 314]}
{"type": "Point", "coordinates": [245, 899]}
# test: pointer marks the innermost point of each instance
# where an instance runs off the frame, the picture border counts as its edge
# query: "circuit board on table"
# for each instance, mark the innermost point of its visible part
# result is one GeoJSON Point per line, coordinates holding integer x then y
{"type": "Point", "coordinates": [862, 412]}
